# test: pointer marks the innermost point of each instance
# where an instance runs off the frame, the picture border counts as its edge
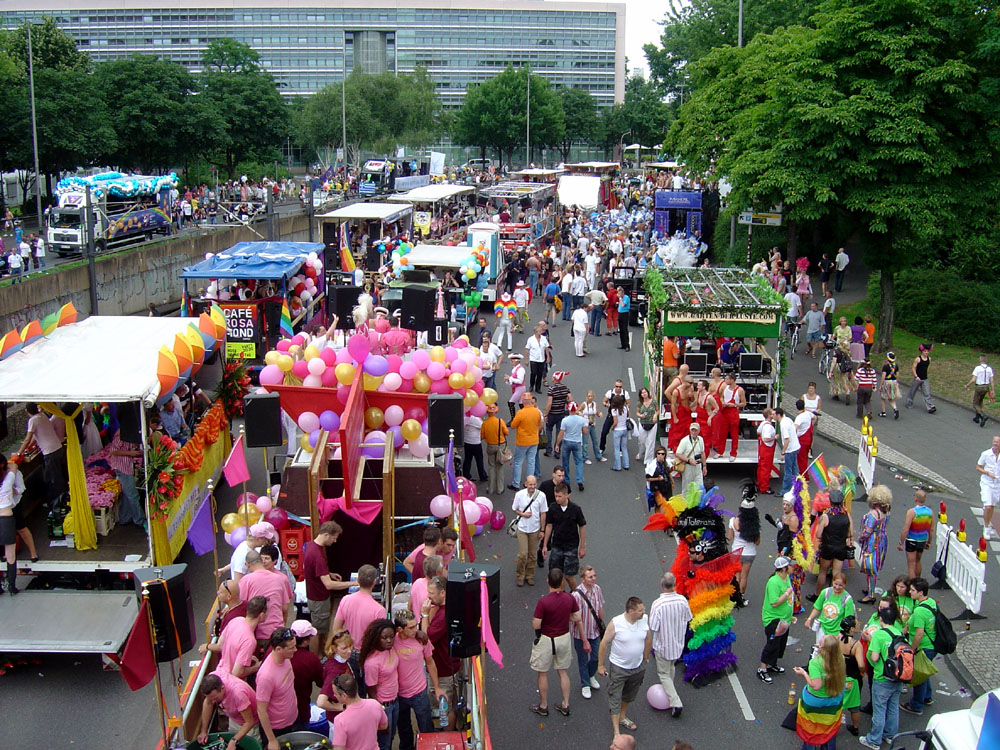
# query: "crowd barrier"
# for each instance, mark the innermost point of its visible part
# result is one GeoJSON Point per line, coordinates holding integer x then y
{"type": "Point", "coordinates": [965, 573]}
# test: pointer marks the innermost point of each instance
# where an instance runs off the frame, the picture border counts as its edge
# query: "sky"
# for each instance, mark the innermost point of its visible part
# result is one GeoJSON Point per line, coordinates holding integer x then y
{"type": "Point", "coordinates": [642, 26]}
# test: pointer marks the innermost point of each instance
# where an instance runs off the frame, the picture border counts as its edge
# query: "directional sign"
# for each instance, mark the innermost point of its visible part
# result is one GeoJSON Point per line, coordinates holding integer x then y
{"type": "Point", "coordinates": [768, 220]}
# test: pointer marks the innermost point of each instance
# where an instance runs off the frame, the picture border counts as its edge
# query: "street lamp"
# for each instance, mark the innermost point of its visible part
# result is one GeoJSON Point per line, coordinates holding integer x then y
{"type": "Point", "coordinates": [621, 147]}
{"type": "Point", "coordinates": [34, 131]}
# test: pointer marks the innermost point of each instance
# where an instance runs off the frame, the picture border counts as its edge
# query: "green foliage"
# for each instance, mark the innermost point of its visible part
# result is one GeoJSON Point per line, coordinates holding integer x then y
{"type": "Point", "coordinates": [230, 56]}
{"type": "Point", "coordinates": [582, 122]}
{"type": "Point", "coordinates": [51, 48]}
{"type": "Point", "coordinates": [644, 116]}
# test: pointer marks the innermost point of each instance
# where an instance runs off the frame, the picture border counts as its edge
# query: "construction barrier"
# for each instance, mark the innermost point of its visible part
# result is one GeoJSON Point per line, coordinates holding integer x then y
{"type": "Point", "coordinates": [965, 573]}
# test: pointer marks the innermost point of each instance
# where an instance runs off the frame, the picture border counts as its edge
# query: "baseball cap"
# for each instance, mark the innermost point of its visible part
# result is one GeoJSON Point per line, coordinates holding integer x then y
{"type": "Point", "coordinates": [781, 562]}
{"type": "Point", "coordinates": [303, 629]}
{"type": "Point", "coordinates": [558, 375]}
{"type": "Point", "coordinates": [264, 530]}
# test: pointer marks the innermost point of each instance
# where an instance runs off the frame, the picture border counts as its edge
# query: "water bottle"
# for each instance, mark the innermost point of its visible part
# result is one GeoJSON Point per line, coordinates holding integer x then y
{"type": "Point", "coordinates": [443, 712]}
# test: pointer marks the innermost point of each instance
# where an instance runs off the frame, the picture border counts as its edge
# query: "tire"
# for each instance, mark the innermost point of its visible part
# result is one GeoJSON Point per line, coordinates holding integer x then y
{"type": "Point", "coordinates": [100, 246]}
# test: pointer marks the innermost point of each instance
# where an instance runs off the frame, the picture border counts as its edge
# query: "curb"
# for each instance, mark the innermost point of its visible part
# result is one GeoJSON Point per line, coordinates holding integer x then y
{"type": "Point", "coordinates": [964, 675]}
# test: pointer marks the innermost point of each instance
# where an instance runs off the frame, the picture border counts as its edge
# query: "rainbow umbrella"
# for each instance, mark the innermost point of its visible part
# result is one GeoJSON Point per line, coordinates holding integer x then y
{"type": "Point", "coordinates": [182, 351]}
{"type": "Point", "coordinates": [31, 332]}
{"type": "Point", "coordinates": [166, 373]}
{"type": "Point", "coordinates": [193, 336]}
{"type": "Point", "coordinates": [206, 327]}
{"type": "Point", "coordinates": [219, 318]}
{"type": "Point", "coordinates": [10, 343]}
{"type": "Point", "coordinates": [67, 314]}
{"type": "Point", "coordinates": [49, 323]}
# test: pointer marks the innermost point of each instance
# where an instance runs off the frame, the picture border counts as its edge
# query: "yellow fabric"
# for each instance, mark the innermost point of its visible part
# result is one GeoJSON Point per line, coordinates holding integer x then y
{"type": "Point", "coordinates": [84, 533]}
{"type": "Point", "coordinates": [161, 544]}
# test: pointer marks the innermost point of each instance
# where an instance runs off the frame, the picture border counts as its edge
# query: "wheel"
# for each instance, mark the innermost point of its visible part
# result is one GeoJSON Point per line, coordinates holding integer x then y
{"type": "Point", "coordinates": [791, 347]}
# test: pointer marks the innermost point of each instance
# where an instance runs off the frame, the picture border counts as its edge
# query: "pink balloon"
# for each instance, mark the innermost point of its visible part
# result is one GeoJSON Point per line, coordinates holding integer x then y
{"type": "Point", "coordinates": [657, 697]}
{"type": "Point", "coordinates": [484, 514]}
{"type": "Point", "coordinates": [393, 415]}
{"type": "Point", "coordinates": [245, 497]}
{"type": "Point", "coordinates": [312, 381]}
{"type": "Point", "coordinates": [477, 373]}
{"type": "Point", "coordinates": [450, 354]}
{"type": "Point", "coordinates": [283, 345]}
{"type": "Point", "coordinates": [308, 421]}
{"type": "Point", "coordinates": [405, 387]}
{"type": "Point", "coordinates": [408, 370]}
{"type": "Point", "coordinates": [421, 358]}
{"type": "Point", "coordinates": [278, 518]}
{"type": "Point", "coordinates": [298, 339]}
{"type": "Point", "coordinates": [419, 447]}
{"type": "Point", "coordinates": [440, 386]}
{"type": "Point", "coordinates": [391, 382]}
{"type": "Point", "coordinates": [343, 357]}
{"type": "Point", "coordinates": [263, 504]}
{"type": "Point", "coordinates": [485, 501]}
{"type": "Point", "coordinates": [436, 371]}
{"type": "Point", "coordinates": [414, 412]}
{"type": "Point", "coordinates": [441, 506]}
{"type": "Point", "coordinates": [226, 536]}
{"type": "Point", "coordinates": [359, 346]}
{"type": "Point", "coordinates": [498, 520]}
{"type": "Point", "coordinates": [300, 369]}
{"type": "Point", "coordinates": [471, 511]}
{"type": "Point", "coordinates": [329, 356]}
{"type": "Point", "coordinates": [459, 343]}
{"type": "Point", "coordinates": [478, 409]}
{"type": "Point", "coordinates": [238, 535]}
{"type": "Point", "coordinates": [468, 488]}
{"type": "Point", "coordinates": [395, 362]}
{"type": "Point", "coordinates": [478, 387]}
{"type": "Point", "coordinates": [459, 365]}
{"type": "Point", "coordinates": [271, 375]}
{"type": "Point", "coordinates": [316, 365]}
{"type": "Point", "coordinates": [329, 377]}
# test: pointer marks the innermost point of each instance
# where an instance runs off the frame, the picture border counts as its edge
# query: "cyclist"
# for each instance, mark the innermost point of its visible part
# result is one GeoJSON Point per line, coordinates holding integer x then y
{"type": "Point", "coordinates": [814, 328]}
{"type": "Point", "coordinates": [794, 313]}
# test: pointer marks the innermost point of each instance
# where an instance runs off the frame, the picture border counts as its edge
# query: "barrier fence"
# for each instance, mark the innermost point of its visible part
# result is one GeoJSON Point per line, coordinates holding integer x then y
{"type": "Point", "coordinates": [965, 573]}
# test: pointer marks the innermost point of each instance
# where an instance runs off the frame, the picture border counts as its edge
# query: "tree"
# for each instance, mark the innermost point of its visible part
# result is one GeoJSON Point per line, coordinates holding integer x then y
{"type": "Point", "coordinates": [230, 56]}
{"type": "Point", "coordinates": [643, 117]}
{"type": "Point", "coordinates": [51, 47]}
{"type": "Point", "coordinates": [582, 122]}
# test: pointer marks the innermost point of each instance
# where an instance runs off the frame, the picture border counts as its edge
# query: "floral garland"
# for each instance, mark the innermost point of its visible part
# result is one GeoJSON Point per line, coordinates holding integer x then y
{"type": "Point", "coordinates": [233, 386]}
{"type": "Point", "coordinates": [191, 456]}
{"type": "Point", "coordinates": [164, 475]}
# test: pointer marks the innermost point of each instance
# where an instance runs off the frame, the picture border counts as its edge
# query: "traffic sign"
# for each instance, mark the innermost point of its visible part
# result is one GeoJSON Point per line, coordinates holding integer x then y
{"type": "Point", "coordinates": [767, 220]}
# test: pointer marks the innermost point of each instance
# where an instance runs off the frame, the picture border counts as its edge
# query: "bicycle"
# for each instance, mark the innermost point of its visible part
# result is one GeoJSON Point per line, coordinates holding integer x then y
{"type": "Point", "coordinates": [826, 360]}
{"type": "Point", "coordinates": [792, 332]}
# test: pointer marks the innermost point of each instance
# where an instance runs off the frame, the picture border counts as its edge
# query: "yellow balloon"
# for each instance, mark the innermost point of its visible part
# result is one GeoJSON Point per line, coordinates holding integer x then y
{"type": "Point", "coordinates": [251, 513]}
{"type": "Point", "coordinates": [437, 354]}
{"type": "Point", "coordinates": [468, 379]}
{"type": "Point", "coordinates": [371, 383]}
{"type": "Point", "coordinates": [421, 383]}
{"type": "Point", "coordinates": [456, 380]}
{"type": "Point", "coordinates": [472, 529]}
{"type": "Point", "coordinates": [285, 363]}
{"type": "Point", "coordinates": [311, 352]}
{"type": "Point", "coordinates": [271, 358]}
{"type": "Point", "coordinates": [230, 521]}
{"type": "Point", "coordinates": [489, 396]}
{"type": "Point", "coordinates": [304, 444]}
{"type": "Point", "coordinates": [471, 399]}
{"type": "Point", "coordinates": [410, 429]}
{"type": "Point", "coordinates": [373, 417]}
{"type": "Point", "coordinates": [344, 373]}
{"type": "Point", "coordinates": [294, 349]}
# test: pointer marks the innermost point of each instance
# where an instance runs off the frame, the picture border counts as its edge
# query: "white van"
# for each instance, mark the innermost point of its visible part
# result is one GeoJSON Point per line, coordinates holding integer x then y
{"type": "Point", "coordinates": [480, 165]}
{"type": "Point", "coordinates": [953, 730]}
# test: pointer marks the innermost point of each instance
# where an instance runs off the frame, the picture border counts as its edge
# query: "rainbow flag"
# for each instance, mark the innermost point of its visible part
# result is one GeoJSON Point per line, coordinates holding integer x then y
{"type": "Point", "coordinates": [819, 473]}
{"type": "Point", "coordinates": [346, 259]}
{"type": "Point", "coordinates": [286, 320]}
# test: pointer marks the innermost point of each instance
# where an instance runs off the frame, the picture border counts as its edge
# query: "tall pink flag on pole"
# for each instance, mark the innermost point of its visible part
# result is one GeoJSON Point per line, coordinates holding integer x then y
{"type": "Point", "coordinates": [492, 647]}
{"type": "Point", "coordinates": [235, 468]}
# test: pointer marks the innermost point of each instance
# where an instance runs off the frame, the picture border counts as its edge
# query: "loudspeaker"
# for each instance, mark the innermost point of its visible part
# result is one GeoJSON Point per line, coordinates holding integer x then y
{"type": "Point", "coordinates": [462, 608]}
{"type": "Point", "coordinates": [418, 308]}
{"type": "Point", "coordinates": [438, 333]}
{"type": "Point", "coordinates": [262, 416]}
{"type": "Point", "coordinates": [171, 609]}
{"type": "Point", "coordinates": [341, 301]}
{"type": "Point", "coordinates": [331, 238]}
{"type": "Point", "coordinates": [525, 203]}
{"type": "Point", "coordinates": [444, 414]}
{"type": "Point", "coordinates": [372, 260]}
{"type": "Point", "coordinates": [129, 421]}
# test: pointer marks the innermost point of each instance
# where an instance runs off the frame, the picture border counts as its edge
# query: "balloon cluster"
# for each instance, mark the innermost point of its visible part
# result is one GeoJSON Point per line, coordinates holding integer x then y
{"type": "Point", "coordinates": [400, 250]}
{"type": "Point", "coordinates": [237, 525]}
{"type": "Point", "coordinates": [303, 284]}
{"type": "Point", "coordinates": [479, 512]}
{"type": "Point", "coordinates": [475, 264]}
{"type": "Point", "coordinates": [117, 184]}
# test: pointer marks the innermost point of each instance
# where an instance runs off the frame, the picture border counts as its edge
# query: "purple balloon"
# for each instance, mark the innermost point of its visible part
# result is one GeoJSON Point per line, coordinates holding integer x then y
{"type": "Point", "coordinates": [397, 436]}
{"type": "Point", "coordinates": [376, 365]}
{"type": "Point", "coordinates": [329, 421]}
{"type": "Point", "coordinates": [378, 449]}
{"type": "Point", "coordinates": [313, 438]}
{"type": "Point", "coordinates": [237, 535]}
{"type": "Point", "coordinates": [497, 520]}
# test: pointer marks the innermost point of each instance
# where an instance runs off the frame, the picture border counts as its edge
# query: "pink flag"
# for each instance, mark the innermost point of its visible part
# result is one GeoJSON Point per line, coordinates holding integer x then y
{"type": "Point", "coordinates": [492, 647]}
{"type": "Point", "coordinates": [235, 468]}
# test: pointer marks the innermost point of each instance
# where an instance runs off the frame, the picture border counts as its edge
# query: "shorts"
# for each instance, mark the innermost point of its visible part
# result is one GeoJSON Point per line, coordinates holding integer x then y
{"type": "Point", "coordinates": [989, 494]}
{"type": "Point", "coordinates": [552, 652]}
{"type": "Point", "coordinates": [567, 560]}
{"type": "Point", "coordinates": [814, 336]}
{"type": "Point", "coordinates": [624, 685]}
{"type": "Point", "coordinates": [319, 614]}
{"type": "Point", "coordinates": [829, 553]}
{"type": "Point", "coordinates": [8, 532]}
{"type": "Point", "coordinates": [19, 519]}
{"type": "Point", "coordinates": [448, 685]}
{"type": "Point", "coordinates": [912, 546]}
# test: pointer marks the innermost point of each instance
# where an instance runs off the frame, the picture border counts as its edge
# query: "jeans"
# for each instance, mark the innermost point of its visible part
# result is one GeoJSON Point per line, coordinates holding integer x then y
{"type": "Point", "coordinates": [924, 386]}
{"type": "Point", "coordinates": [567, 303]}
{"type": "Point", "coordinates": [392, 714]}
{"type": "Point", "coordinates": [791, 468]}
{"type": "Point", "coordinates": [839, 282]}
{"type": "Point", "coordinates": [830, 744]}
{"type": "Point", "coordinates": [885, 711]}
{"type": "Point", "coordinates": [595, 438]}
{"type": "Point", "coordinates": [587, 663]}
{"type": "Point", "coordinates": [421, 706]}
{"type": "Point", "coordinates": [924, 690]}
{"type": "Point", "coordinates": [574, 449]}
{"type": "Point", "coordinates": [490, 381]}
{"type": "Point", "coordinates": [621, 449]}
{"type": "Point", "coordinates": [533, 280]}
{"type": "Point", "coordinates": [131, 510]}
{"type": "Point", "coordinates": [596, 316]}
{"type": "Point", "coordinates": [552, 423]}
{"type": "Point", "coordinates": [522, 454]}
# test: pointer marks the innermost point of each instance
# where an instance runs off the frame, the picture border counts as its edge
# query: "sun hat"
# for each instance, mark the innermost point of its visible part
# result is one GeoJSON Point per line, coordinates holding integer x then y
{"type": "Point", "coordinates": [558, 375]}
{"type": "Point", "coordinates": [303, 629]}
{"type": "Point", "coordinates": [264, 530]}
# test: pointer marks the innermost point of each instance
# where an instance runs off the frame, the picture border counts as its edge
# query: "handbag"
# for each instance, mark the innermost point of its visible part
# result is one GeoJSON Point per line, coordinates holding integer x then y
{"type": "Point", "coordinates": [601, 627]}
{"type": "Point", "coordinates": [923, 668]}
{"type": "Point", "coordinates": [512, 526]}
{"type": "Point", "coordinates": [505, 453]}
{"type": "Point", "coordinates": [940, 567]}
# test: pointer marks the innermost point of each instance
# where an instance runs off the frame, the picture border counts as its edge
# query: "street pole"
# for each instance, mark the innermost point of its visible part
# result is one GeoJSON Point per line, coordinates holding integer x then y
{"type": "Point", "coordinates": [732, 219]}
{"type": "Point", "coordinates": [739, 32]}
{"type": "Point", "coordinates": [88, 217]}
{"type": "Point", "coordinates": [527, 124]}
{"type": "Point", "coordinates": [343, 105]}
{"type": "Point", "coordinates": [34, 129]}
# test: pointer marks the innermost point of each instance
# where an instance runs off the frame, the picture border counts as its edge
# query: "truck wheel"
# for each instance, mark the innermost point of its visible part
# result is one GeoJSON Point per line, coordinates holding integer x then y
{"type": "Point", "coordinates": [100, 246]}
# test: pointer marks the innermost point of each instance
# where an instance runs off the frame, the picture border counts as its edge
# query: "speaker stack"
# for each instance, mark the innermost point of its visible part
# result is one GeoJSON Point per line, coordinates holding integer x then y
{"type": "Point", "coordinates": [262, 417]}
{"type": "Point", "coordinates": [341, 301]}
{"type": "Point", "coordinates": [444, 415]}
{"type": "Point", "coordinates": [463, 611]}
{"type": "Point", "coordinates": [170, 608]}
{"type": "Point", "coordinates": [418, 308]}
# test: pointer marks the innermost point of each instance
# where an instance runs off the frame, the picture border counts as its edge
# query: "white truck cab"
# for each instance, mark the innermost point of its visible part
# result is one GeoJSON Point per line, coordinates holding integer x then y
{"type": "Point", "coordinates": [957, 730]}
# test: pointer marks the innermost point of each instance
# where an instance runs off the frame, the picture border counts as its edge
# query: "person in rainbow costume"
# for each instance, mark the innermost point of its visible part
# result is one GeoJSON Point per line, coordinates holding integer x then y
{"type": "Point", "coordinates": [705, 570]}
{"type": "Point", "coordinates": [506, 310]}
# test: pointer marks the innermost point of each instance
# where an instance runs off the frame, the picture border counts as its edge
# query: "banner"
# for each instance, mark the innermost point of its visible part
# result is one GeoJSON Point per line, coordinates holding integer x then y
{"type": "Point", "coordinates": [242, 330]}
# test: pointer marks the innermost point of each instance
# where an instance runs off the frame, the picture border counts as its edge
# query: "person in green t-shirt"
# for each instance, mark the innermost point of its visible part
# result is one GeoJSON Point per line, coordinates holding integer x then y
{"type": "Point", "coordinates": [832, 606]}
{"type": "Point", "coordinates": [885, 692]}
{"type": "Point", "coordinates": [900, 593]}
{"type": "Point", "coordinates": [921, 629]}
{"type": "Point", "coordinates": [776, 614]}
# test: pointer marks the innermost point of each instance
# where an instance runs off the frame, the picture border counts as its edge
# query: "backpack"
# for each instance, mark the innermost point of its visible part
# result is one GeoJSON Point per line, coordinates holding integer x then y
{"type": "Point", "coordinates": [944, 639]}
{"type": "Point", "coordinates": [845, 364]}
{"type": "Point", "coordinates": [899, 660]}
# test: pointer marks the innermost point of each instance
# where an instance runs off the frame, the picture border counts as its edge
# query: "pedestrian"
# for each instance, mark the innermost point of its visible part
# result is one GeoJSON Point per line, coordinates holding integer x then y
{"type": "Point", "coordinates": [612, 310]}
{"type": "Point", "coordinates": [590, 409]}
{"type": "Point", "coordinates": [840, 263]}
{"type": "Point", "coordinates": [581, 322]}
{"type": "Point", "coordinates": [885, 688]}
{"type": "Point", "coordinates": [491, 356]}
{"type": "Point", "coordinates": [988, 467]}
{"type": "Point", "coordinates": [982, 379]}
{"type": "Point", "coordinates": [776, 614]}
{"type": "Point", "coordinates": [618, 389]}
{"type": "Point", "coordinates": [587, 633]}
{"type": "Point", "coordinates": [805, 421]}
{"type": "Point", "coordinates": [40, 252]}
{"type": "Point", "coordinates": [531, 507]}
{"type": "Point", "coordinates": [727, 421]}
{"type": "Point", "coordinates": [551, 622]}
{"type": "Point", "coordinates": [921, 365]}
{"type": "Point", "coordinates": [889, 387]}
{"type": "Point", "coordinates": [320, 582]}
{"type": "Point", "coordinates": [622, 656]}
{"type": "Point", "coordinates": [834, 536]}
{"type": "Point", "coordinates": [14, 264]}
{"type": "Point", "coordinates": [825, 267]}
{"type": "Point", "coordinates": [275, 688]}
{"type": "Point", "coordinates": [853, 651]}
{"type": "Point", "coordinates": [841, 373]}
{"type": "Point", "coordinates": [473, 447]}
{"type": "Point", "coordinates": [596, 301]}
{"type": "Point", "coordinates": [494, 434]}
{"type": "Point", "coordinates": [362, 723]}
{"type": "Point", "coordinates": [869, 339]}
{"type": "Point", "coordinates": [415, 654]}
{"type": "Point", "coordinates": [551, 292]}
{"type": "Point", "coordinates": [236, 699]}
{"type": "Point", "coordinates": [647, 415]}
{"type": "Point", "coordinates": [922, 632]}
{"type": "Point", "coordinates": [789, 448]}
{"type": "Point", "coordinates": [744, 536]}
{"type": "Point", "coordinates": [516, 380]}
{"type": "Point", "coordinates": [566, 295]}
{"type": "Point", "coordinates": [558, 397]}
{"type": "Point", "coordinates": [917, 534]}
{"type": "Point", "coordinates": [340, 658]}
{"type": "Point", "coordinates": [435, 624]}
{"type": "Point", "coordinates": [671, 358]}
{"type": "Point", "coordinates": [527, 424]}
{"type": "Point", "coordinates": [619, 414]}
{"type": "Point", "coordinates": [307, 670]}
{"type": "Point", "coordinates": [436, 541]}
{"type": "Point", "coordinates": [767, 440]}
{"type": "Point", "coordinates": [830, 609]}
{"type": "Point", "coordinates": [669, 617]}
{"type": "Point", "coordinates": [358, 610]}
{"type": "Point", "coordinates": [865, 379]}
{"type": "Point", "coordinates": [565, 535]}
{"type": "Point", "coordinates": [624, 311]}
{"type": "Point", "coordinates": [237, 643]}
{"type": "Point", "coordinates": [691, 457]}
{"type": "Point", "coordinates": [537, 349]}
{"type": "Point", "coordinates": [379, 664]}
{"type": "Point", "coordinates": [521, 297]}
{"type": "Point", "coordinates": [41, 432]}
{"type": "Point", "coordinates": [829, 308]}
{"type": "Point", "coordinates": [821, 702]}
{"type": "Point", "coordinates": [572, 432]}
{"type": "Point", "coordinates": [873, 539]}
{"type": "Point", "coordinates": [813, 321]}
{"type": "Point", "coordinates": [274, 587]}
{"type": "Point", "coordinates": [505, 310]}
{"type": "Point", "coordinates": [627, 742]}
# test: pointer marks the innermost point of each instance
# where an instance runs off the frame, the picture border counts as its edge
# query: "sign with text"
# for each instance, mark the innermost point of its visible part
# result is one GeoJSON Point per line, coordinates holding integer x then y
{"type": "Point", "coordinates": [242, 330]}
{"type": "Point", "coordinates": [750, 316]}
{"type": "Point", "coordinates": [690, 199]}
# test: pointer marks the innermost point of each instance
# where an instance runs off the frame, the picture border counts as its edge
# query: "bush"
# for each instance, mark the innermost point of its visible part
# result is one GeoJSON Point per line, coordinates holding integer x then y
{"type": "Point", "coordinates": [941, 306]}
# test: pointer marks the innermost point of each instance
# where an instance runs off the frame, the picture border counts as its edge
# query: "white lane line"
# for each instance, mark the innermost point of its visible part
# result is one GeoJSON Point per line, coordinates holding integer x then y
{"type": "Point", "coordinates": [631, 379]}
{"type": "Point", "coordinates": [741, 697]}
{"type": "Point", "coordinates": [977, 511]}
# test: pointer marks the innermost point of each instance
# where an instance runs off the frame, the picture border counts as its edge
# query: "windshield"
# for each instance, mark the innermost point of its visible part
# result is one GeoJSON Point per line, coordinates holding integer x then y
{"type": "Point", "coordinates": [65, 219]}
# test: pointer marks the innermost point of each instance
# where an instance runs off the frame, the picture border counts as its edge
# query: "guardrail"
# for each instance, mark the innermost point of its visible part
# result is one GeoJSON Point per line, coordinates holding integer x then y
{"type": "Point", "coordinates": [965, 574]}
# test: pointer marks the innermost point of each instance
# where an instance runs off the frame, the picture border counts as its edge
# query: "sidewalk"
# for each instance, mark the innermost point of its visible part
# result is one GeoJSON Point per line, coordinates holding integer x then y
{"type": "Point", "coordinates": [977, 659]}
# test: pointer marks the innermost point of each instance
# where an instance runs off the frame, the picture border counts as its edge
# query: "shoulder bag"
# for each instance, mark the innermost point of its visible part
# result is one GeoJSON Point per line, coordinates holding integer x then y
{"type": "Point", "coordinates": [600, 623]}
{"type": "Point", "coordinates": [512, 526]}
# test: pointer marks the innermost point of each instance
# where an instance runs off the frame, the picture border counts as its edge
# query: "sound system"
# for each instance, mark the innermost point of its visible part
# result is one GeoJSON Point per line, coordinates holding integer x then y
{"type": "Point", "coordinates": [418, 307]}
{"type": "Point", "coordinates": [372, 259]}
{"type": "Point", "coordinates": [331, 238]}
{"type": "Point", "coordinates": [129, 422]}
{"type": "Point", "coordinates": [170, 609]}
{"type": "Point", "coordinates": [341, 301]}
{"type": "Point", "coordinates": [444, 415]}
{"type": "Point", "coordinates": [262, 418]}
{"type": "Point", "coordinates": [438, 333]}
{"type": "Point", "coordinates": [463, 611]}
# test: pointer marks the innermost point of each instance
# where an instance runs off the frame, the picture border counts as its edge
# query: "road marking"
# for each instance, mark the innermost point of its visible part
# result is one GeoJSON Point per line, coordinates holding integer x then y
{"type": "Point", "coordinates": [631, 379]}
{"type": "Point", "coordinates": [977, 511]}
{"type": "Point", "coordinates": [741, 697]}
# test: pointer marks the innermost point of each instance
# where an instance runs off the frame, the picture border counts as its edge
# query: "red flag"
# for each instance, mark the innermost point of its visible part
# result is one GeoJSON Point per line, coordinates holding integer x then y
{"type": "Point", "coordinates": [138, 662]}
{"type": "Point", "coordinates": [235, 468]}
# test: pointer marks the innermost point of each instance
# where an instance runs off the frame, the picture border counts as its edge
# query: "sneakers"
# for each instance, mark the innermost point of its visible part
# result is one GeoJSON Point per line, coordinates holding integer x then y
{"type": "Point", "coordinates": [864, 741]}
{"type": "Point", "coordinates": [588, 462]}
{"type": "Point", "coordinates": [594, 683]}
{"type": "Point", "coordinates": [932, 410]}
{"type": "Point", "coordinates": [732, 458]}
{"type": "Point", "coordinates": [585, 691]}
{"type": "Point", "coordinates": [776, 669]}
{"type": "Point", "coordinates": [983, 421]}
{"type": "Point", "coordinates": [579, 486]}
{"type": "Point", "coordinates": [764, 677]}
{"type": "Point", "coordinates": [987, 533]}
{"type": "Point", "coordinates": [910, 709]}
{"type": "Point", "coordinates": [895, 414]}
{"type": "Point", "coordinates": [882, 414]}
{"type": "Point", "coordinates": [604, 459]}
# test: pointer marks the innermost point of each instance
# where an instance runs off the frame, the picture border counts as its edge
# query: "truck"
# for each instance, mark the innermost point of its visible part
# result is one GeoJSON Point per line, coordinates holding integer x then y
{"type": "Point", "coordinates": [382, 176]}
{"type": "Point", "coordinates": [125, 208]}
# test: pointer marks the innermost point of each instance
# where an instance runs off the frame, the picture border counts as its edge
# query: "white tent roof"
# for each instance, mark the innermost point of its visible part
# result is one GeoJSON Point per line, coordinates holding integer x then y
{"type": "Point", "coordinates": [583, 190]}
{"type": "Point", "coordinates": [101, 358]}
{"type": "Point", "coordinates": [431, 193]}
{"type": "Point", "coordinates": [438, 255]}
{"type": "Point", "coordinates": [386, 212]}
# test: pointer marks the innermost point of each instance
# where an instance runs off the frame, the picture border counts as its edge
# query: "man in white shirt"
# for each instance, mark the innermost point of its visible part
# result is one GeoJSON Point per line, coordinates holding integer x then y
{"type": "Point", "coordinates": [530, 507]}
{"type": "Point", "coordinates": [581, 319]}
{"type": "Point", "coordinates": [829, 307]}
{"type": "Point", "coordinates": [25, 250]}
{"type": "Point", "coordinates": [14, 264]}
{"type": "Point", "coordinates": [597, 300]}
{"type": "Point", "coordinates": [40, 252]}
{"type": "Point", "coordinates": [789, 448]}
{"type": "Point", "coordinates": [669, 616]}
{"type": "Point", "coordinates": [42, 432]}
{"type": "Point", "coordinates": [794, 307]}
{"type": "Point", "coordinates": [767, 438]}
{"type": "Point", "coordinates": [988, 467]}
{"type": "Point", "coordinates": [840, 262]}
{"type": "Point", "coordinates": [537, 348]}
{"type": "Point", "coordinates": [982, 379]}
{"type": "Point", "coordinates": [590, 267]}
{"type": "Point", "coordinates": [578, 288]}
{"type": "Point", "coordinates": [491, 356]}
{"type": "Point", "coordinates": [521, 300]}
{"type": "Point", "coordinates": [629, 641]}
{"type": "Point", "coordinates": [473, 448]}
{"type": "Point", "coordinates": [583, 245]}
{"type": "Point", "coordinates": [615, 246]}
{"type": "Point", "coordinates": [566, 285]}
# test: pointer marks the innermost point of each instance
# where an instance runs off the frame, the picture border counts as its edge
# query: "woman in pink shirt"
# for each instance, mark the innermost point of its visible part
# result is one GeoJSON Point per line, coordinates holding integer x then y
{"type": "Point", "coordinates": [415, 653]}
{"type": "Point", "coordinates": [380, 665]}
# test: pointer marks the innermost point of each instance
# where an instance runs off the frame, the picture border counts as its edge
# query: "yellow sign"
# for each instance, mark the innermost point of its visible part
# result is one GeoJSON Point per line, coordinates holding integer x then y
{"type": "Point", "coordinates": [747, 317]}
{"type": "Point", "coordinates": [422, 220]}
{"type": "Point", "coordinates": [241, 350]}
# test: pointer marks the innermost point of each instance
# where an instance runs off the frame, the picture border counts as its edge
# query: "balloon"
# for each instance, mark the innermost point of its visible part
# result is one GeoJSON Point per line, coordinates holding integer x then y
{"type": "Point", "coordinates": [440, 386]}
{"type": "Point", "coordinates": [656, 696]}
{"type": "Point", "coordinates": [304, 444]}
{"type": "Point", "coordinates": [406, 386]}
{"type": "Point", "coordinates": [461, 342]}
{"type": "Point", "coordinates": [312, 381]}
{"type": "Point", "coordinates": [329, 421]}
{"type": "Point", "coordinates": [468, 380]}
{"type": "Point", "coordinates": [374, 417]}
{"type": "Point", "coordinates": [225, 535]}
{"type": "Point", "coordinates": [392, 381]}
{"type": "Point", "coordinates": [485, 501]}
{"type": "Point", "coordinates": [271, 358]}
{"type": "Point", "coordinates": [343, 357]}
{"type": "Point", "coordinates": [421, 383]}
{"type": "Point", "coordinates": [497, 520]}
{"type": "Point", "coordinates": [329, 377]}
{"type": "Point", "coordinates": [315, 365]}
{"type": "Point", "coordinates": [484, 514]}
{"type": "Point", "coordinates": [471, 511]}
{"type": "Point", "coordinates": [329, 356]}
{"type": "Point", "coordinates": [230, 521]}
{"type": "Point", "coordinates": [436, 371]}
{"type": "Point", "coordinates": [421, 359]}
{"type": "Point", "coordinates": [480, 528]}
{"type": "Point", "coordinates": [489, 396]}
{"type": "Point", "coordinates": [251, 514]}
{"type": "Point", "coordinates": [479, 410]}
{"type": "Point", "coordinates": [311, 352]}
{"type": "Point", "coordinates": [394, 361]}
{"type": "Point", "coordinates": [374, 444]}
{"type": "Point", "coordinates": [245, 497]}
{"type": "Point", "coordinates": [397, 437]}
{"type": "Point", "coordinates": [456, 380]}
{"type": "Point", "coordinates": [343, 393]}
{"type": "Point", "coordinates": [345, 373]}
{"type": "Point", "coordinates": [437, 354]}
{"type": "Point", "coordinates": [263, 504]}
{"type": "Point", "coordinates": [468, 488]}
{"type": "Point", "coordinates": [285, 363]}
{"type": "Point", "coordinates": [419, 447]}
{"type": "Point", "coordinates": [459, 365]}
{"type": "Point", "coordinates": [359, 346]}
{"type": "Point", "coordinates": [376, 365]}
{"type": "Point", "coordinates": [470, 400]}
{"type": "Point", "coordinates": [410, 429]}
{"type": "Point", "coordinates": [408, 370]}
{"type": "Point", "coordinates": [308, 421]}
{"type": "Point", "coordinates": [238, 535]}
{"type": "Point", "coordinates": [313, 438]}
{"type": "Point", "coordinates": [272, 375]}
{"type": "Point", "coordinates": [300, 369]}
{"type": "Point", "coordinates": [278, 518]}
{"type": "Point", "coordinates": [298, 339]}
{"type": "Point", "coordinates": [414, 412]}
{"type": "Point", "coordinates": [441, 506]}
{"type": "Point", "coordinates": [393, 415]}
{"type": "Point", "coordinates": [370, 383]}
{"type": "Point", "coordinates": [450, 354]}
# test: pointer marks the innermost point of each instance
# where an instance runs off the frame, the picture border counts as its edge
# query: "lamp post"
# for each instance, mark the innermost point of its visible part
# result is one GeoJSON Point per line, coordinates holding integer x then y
{"type": "Point", "coordinates": [343, 105]}
{"type": "Point", "coordinates": [621, 147]}
{"type": "Point", "coordinates": [34, 130]}
{"type": "Point", "coordinates": [527, 125]}
{"type": "Point", "coordinates": [739, 43]}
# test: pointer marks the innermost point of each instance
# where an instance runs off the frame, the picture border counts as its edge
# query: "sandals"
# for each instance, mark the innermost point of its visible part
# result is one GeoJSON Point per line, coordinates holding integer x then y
{"type": "Point", "coordinates": [867, 600]}
{"type": "Point", "coordinates": [564, 710]}
{"type": "Point", "coordinates": [537, 709]}
{"type": "Point", "coordinates": [629, 724]}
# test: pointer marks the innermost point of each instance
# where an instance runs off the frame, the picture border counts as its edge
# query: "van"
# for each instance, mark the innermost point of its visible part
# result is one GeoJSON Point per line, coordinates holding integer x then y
{"type": "Point", "coordinates": [954, 730]}
{"type": "Point", "coordinates": [479, 165]}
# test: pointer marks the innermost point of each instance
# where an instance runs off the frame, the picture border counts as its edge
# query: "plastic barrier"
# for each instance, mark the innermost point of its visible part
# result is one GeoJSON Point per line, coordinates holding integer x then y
{"type": "Point", "coordinates": [964, 572]}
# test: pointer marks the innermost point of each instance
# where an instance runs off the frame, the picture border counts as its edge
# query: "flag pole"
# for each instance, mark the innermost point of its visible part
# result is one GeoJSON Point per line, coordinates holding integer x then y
{"type": "Point", "coordinates": [455, 504]}
{"type": "Point", "coordinates": [246, 510]}
{"type": "Point", "coordinates": [215, 532]}
{"type": "Point", "coordinates": [161, 706]}
{"type": "Point", "coordinates": [803, 474]}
